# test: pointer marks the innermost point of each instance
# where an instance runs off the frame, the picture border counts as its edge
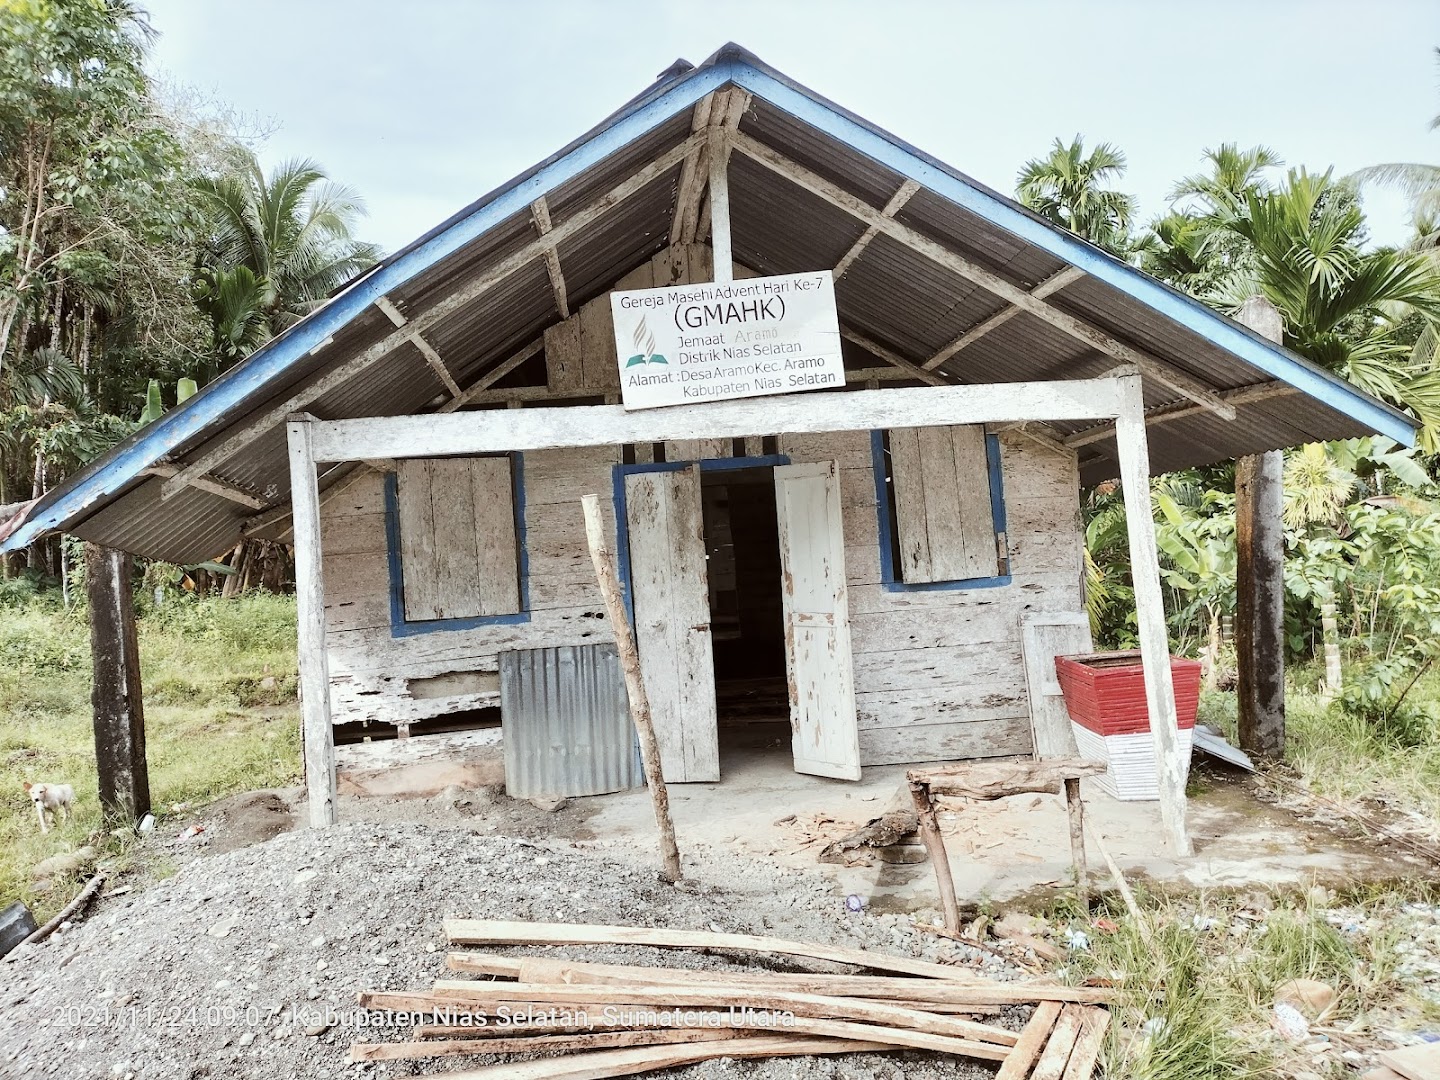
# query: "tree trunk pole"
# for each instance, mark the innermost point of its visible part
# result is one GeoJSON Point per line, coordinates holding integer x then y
{"type": "Point", "coordinates": [1260, 579]}
{"type": "Point", "coordinates": [934, 842]}
{"type": "Point", "coordinates": [604, 561]}
{"type": "Point", "coordinates": [119, 715]}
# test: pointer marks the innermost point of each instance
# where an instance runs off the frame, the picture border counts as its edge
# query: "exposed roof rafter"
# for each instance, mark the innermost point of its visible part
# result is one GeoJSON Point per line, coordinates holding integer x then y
{"type": "Point", "coordinates": [1048, 287]}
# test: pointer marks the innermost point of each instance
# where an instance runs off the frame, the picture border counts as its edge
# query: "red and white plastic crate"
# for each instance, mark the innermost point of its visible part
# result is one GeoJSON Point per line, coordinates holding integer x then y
{"type": "Point", "coordinates": [1105, 695]}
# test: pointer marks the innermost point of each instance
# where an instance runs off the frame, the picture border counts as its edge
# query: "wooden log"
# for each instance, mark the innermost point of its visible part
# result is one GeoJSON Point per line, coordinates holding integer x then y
{"type": "Point", "coordinates": [1000, 779]}
{"type": "Point", "coordinates": [604, 561]}
{"type": "Point", "coordinates": [1060, 1045]}
{"type": "Point", "coordinates": [75, 905]}
{"type": "Point", "coordinates": [972, 992]}
{"type": "Point", "coordinates": [1260, 579]}
{"type": "Point", "coordinates": [1075, 811]}
{"type": "Point", "coordinates": [935, 846]}
{"type": "Point", "coordinates": [722, 995]}
{"type": "Point", "coordinates": [500, 932]}
{"type": "Point", "coordinates": [1088, 1046]}
{"type": "Point", "coordinates": [1119, 878]}
{"type": "Point", "coordinates": [1032, 1040]}
{"type": "Point", "coordinates": [117, 707]}
{"type": "Point", "coordinates": [895, 822]}
{"type": "Point", "coordinates": [536, 1044]}
{"type": "Point", "coordinates": [641, 1059]}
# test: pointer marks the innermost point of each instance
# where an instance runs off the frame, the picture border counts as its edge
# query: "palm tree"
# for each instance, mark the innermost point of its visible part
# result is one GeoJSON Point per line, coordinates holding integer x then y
{"type": "Point", "coordinates": [1068, 187]}
{"type": "Point", "coordinates": [1420, 184]}
{"type": "Point", "coordinates": [1304, 240]}
{"type": "Point", "coordinates": [292, 232]}
{"type": "Point", "coordinates": [1234, 175]}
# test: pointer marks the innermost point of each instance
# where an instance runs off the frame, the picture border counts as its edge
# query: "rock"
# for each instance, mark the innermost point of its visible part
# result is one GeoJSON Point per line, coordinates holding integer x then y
{"type": "Point", "coordinates": [223, 927]}
{"type": "Point", "coordinates": [319, 1027]}
{"type": "Point", "coordinates": [1289, 1023]}
{"type": "Point", "coordinates": [246, 1038]}
{"type": "Point", "coordinates": [67, 862]}
{"type": "Point", "coordinates": [302, 876]}
{"type": "Point", "coordinates": [549, 805]}
{"type": "Point", "coordinates": [1309, 997]}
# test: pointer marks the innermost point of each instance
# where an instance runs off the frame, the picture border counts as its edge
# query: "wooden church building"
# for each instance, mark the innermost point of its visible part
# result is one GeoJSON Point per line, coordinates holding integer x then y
{"type": "Point", "coordinates": [885, 565]}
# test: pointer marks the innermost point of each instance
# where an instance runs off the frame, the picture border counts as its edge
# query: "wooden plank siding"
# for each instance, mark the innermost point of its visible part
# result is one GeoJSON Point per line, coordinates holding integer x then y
{"type": "Point", "coordinates": [938, 673]}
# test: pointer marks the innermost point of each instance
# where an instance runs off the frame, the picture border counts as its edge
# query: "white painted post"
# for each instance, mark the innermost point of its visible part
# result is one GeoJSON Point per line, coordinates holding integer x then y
{"type": "Point", "coordinates": [724, 270]}
{"type": "Point", "coordinates": [1150, 611]}
{"type": "Point", "coordinates": [319, 736]}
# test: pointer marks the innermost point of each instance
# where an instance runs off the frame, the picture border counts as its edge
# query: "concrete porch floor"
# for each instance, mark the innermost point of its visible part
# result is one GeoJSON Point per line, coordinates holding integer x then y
{"type": "Point", "coordinates": [999, 850]}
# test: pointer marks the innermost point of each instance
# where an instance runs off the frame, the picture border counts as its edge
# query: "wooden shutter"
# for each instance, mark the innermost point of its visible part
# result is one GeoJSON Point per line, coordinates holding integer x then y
{"type": "Point", "coordinates": [458, 556]}
{"type": "Point", "coordinates": [944, 520]}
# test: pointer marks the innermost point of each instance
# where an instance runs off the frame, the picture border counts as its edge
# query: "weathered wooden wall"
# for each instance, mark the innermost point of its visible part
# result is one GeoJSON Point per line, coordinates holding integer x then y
{"type": "Point", "coordinates": [394, 680]}
{"type": "Point", "coordinates": [938, 675]}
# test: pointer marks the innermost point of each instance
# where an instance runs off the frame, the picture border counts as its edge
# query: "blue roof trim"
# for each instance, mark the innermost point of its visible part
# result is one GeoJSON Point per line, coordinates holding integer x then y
{"type": "Point", "coordinates": [177, 427]}
{"type": "Point", "coordinates": [1189, 312]}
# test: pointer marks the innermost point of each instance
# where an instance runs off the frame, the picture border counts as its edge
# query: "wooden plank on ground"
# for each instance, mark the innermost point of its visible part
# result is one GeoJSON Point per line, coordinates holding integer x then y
{"type": "Point", "coordinates": [721, 995]}
{"type": "Point", "coordinates": [632, 1060]}
{"type": "Point", "coordinates": [909, 1038]}
{"type": "Point", "coordinates": [1420, 1062]}
{"type": "Point", "coordinates": [529, 1044]}
{"type": "Point", "coordinates": [965, 990]}
{"type": "Point", "coordinates": [1088, 1046]}
{"type": "Point", "coordinates": [502, 932]}
{"type": "Point", "coordinates": [1032, 1040]}
{"type": "Point", "coordinates": [1060, 1045]}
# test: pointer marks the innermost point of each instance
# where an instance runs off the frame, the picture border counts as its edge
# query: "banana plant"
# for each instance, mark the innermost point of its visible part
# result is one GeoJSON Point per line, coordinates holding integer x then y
{"type": "Point", "coordinates": [155, 405]}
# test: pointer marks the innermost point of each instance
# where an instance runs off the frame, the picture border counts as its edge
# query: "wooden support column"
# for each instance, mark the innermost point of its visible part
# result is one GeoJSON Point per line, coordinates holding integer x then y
{"type": "Point", "coordinates": [319, 735]}
{"type": "Point", "coordinates": [720, 249]}
{"type": "Point", "coordinates": [1134, 454]}
{"type": "Point", "coordinates": [115, 699]}
{"type": "Point", "coordinates": [1260, 578]}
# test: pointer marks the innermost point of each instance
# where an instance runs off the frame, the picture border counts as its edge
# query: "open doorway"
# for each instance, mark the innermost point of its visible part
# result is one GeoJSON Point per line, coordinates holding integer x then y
{"type": "Point", "coordinates": [742, 543]}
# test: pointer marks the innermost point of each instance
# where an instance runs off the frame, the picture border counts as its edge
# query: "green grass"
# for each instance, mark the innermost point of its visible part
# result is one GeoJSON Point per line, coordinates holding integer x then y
{"type": "Point", "coordinates": [1344, 757]}
{"type": "Point", "coordinates": [1197, 980]}
{"type": "Point", "coordinates": [220, 717]}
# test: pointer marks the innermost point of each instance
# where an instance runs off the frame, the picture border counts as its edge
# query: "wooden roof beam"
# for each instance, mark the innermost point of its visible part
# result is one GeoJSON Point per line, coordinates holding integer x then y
{"type": "Point", "coordinates": [337, 376]}
{"type": "Point", "coordinates": [692, 175]}
{"type": "Point", "coordinates": [1048, 287]}
{"type": "Point", "coordinates": [890, 356]}
{"type": "Point", "coordinates": [540, 212]}
{"type": "Point", "coordinates": [213, 484]}
{"type": "Point", "coordinates": [1151, 366]}
{"type": "Point", "coordinates": [1160, 414]}
{"type": "Point", "coordinates": [724, 125]}
{"type": "Point", "coordinates": [897, 202]}
{"type": "Point", "coordinates": [396, 316]}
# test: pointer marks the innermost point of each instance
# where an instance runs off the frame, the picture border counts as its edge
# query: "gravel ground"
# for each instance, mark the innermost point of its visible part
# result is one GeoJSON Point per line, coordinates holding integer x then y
{"type": "Point", "coordinates": [226, 968]}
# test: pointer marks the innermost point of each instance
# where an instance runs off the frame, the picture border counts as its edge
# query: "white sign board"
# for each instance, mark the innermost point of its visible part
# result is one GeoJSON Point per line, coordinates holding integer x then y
{"type": "Point", "coordinates": [714, 341]}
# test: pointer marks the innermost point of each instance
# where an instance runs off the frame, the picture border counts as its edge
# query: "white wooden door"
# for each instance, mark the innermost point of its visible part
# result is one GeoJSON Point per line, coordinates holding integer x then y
{"type": "Point", "coordinates": [672, 619]}
{"type": "Point", "coordinates": [824, 734]}
{"type": "Point", "coordinates": [1044, 636]}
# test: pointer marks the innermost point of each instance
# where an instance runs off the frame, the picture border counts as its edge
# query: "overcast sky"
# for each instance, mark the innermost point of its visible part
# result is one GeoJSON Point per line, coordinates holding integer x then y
{"type": "Point", "coordinates": [425, 105]}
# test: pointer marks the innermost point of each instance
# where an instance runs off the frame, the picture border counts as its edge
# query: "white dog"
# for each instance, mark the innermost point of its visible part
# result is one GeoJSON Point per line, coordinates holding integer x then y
{"type": "Point", "coordinates": [53, 799]}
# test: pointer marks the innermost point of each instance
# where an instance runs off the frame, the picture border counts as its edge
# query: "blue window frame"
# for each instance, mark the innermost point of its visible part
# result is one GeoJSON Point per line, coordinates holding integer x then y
{"type": "Point", "coordinates": [399, 626]}
{"type": "Point", "coordinates": [885, 509]}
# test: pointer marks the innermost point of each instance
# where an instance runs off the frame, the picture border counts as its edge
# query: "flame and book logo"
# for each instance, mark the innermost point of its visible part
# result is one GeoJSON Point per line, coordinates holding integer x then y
{"type": "Point", "coordinates": [644, 347]}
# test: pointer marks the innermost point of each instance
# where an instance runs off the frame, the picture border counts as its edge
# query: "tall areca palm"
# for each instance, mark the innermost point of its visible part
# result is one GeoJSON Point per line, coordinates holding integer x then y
{"type": "Point", "coordinates": [1070, 187]}
{"type": "Point", "coordinates": [293, 233]}
{"type": "Point", "coordinates": [1304, 240]}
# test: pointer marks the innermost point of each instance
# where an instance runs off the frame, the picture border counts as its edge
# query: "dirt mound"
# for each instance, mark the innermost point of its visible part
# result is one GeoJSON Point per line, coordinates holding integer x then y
{"type": "Point", "coordinates": [247, 964]}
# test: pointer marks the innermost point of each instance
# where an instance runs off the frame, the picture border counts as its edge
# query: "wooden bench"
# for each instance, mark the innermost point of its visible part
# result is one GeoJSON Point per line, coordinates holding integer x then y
{"type": "Point", "coordinates": [996, 780]}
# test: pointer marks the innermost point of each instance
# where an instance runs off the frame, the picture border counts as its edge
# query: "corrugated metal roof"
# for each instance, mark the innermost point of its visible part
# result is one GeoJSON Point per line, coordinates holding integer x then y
{"type": "Point", "coordinates": [891, 294]}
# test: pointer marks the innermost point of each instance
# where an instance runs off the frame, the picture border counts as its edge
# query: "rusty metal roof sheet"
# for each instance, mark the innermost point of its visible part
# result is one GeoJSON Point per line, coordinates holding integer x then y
{"type": "Point", "coordinates": [890, 294]}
